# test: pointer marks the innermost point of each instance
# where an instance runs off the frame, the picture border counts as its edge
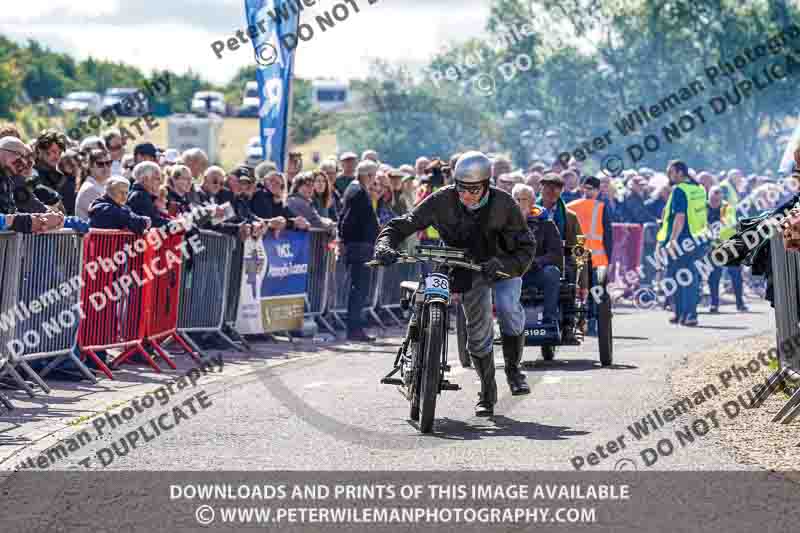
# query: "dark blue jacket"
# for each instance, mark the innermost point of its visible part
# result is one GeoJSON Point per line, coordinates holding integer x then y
{"type": "Point", "coordinates": [104, 213]}
{"type": "Point", "coordinates": [142, 203]}
{"type": "Point", "coordinates": [358, 224]}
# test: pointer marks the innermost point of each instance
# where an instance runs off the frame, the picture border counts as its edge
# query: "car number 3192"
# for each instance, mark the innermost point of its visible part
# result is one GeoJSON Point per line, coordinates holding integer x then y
{"type": "Point", "coordinates": [535, 332]}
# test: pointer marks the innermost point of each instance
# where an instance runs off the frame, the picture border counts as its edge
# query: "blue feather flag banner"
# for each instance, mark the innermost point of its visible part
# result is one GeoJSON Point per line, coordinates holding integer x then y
{"type": "Point", "coordinates": [272, 26]}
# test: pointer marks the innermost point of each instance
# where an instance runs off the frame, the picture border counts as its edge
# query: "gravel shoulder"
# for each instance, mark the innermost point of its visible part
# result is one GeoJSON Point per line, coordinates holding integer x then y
{"type": "Point", "coordinates": [748, 435]}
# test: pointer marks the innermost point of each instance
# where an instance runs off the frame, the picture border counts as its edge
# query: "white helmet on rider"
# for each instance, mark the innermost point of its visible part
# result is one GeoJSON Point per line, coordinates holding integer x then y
{"type": "Point", "coordinates": [472, 168]}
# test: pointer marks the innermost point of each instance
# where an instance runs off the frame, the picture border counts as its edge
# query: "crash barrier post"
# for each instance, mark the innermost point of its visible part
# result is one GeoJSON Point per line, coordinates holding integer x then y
{"type": "Point", "coordinates": [49, 291]}
{"type": "Point", "coordinates": [785, 278]}
{"type": "Point", "coordinates": [321, 264]}
{"type": "Point", "coordinates": [205, 289]}
{"type": "Point", "coordinates": [389, 299]}
{"type": "Point", "coordinates": [162, 297]}
{"type": "Point", "coordinates": [627, 253]}
{"type": "Point", "coordinates": [342, 277]}
{"type": "Point", "coordinates": [9, 269]}
{"type": "Point", "coordinates": [233, 296]}
{"type": "Point", "coordinates": [113, 314]}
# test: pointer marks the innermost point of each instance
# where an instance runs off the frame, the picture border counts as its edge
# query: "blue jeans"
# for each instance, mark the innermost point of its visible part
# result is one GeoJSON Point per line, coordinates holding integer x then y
{"type": "Point", "coordinates": [478, 310]}
{"type": "Point", "coordinates": [735, 273]}
{"type": "Point", "coordinates": [548, 280]}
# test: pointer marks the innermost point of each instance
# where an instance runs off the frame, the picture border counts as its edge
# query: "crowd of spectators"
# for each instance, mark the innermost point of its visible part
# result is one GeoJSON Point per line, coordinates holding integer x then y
{"type": "Point", "coordinates": [51, 182]}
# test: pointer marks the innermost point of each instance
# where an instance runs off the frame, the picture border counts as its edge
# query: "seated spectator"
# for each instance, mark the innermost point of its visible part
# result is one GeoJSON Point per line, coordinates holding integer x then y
{"type": "Point", "coordinates": [545, 271]}
{"type": "Point", "coordinates": [71, 167]}
{"type": "Point", "coordinates": [143, 193]}
{"type": "Point", "coordinates": [93, 187]}
{"type": "Point", "coordinates": [299, 201]}
{"type": "Point", "coordinates": [110, 212]}
{"type": "Point", "coordinates": [323, 196]}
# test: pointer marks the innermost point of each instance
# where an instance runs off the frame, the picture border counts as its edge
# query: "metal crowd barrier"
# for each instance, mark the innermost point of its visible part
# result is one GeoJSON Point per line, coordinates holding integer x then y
{"type": "Point", "coordinates": [389, 298]}
{"type": "Point", "coordinates": [342, 296]}
{"type": "Point", "coordinates": [205, 289]}
{"type": "Point", "coordinates": [113, 318]}
{"type": "Point", "coordinates": [786, 283]}
{"type": "Point", "coordinates": [649, 233]}
{"type": "Point", "coordinates": [321, 267]}
{"type": "Point", "coordinates": [234, 295]}
{"type": "Point", "coordinates": [50, 280]}
{"type": "Point", "coordinates": [9, 270]}
{"type": "Point", "coordinates": [162, 299]}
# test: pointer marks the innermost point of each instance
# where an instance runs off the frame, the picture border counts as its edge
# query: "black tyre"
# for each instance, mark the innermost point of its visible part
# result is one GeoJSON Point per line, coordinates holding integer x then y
{"type": "Point", "coordinates": [605, 336]}
{"type": "Point", "coordinates": [548, 353]}
{"type": "Point", "coordinates": [461, 336]}
{"type": "Point", "coordinates": [414, 413]}
{"type": "Point", "coordinates": [431, 361]}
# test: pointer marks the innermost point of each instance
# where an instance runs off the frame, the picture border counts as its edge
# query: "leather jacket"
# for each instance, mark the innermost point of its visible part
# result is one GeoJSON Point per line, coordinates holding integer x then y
{"type": "Point", "coordinates": [497, 229]}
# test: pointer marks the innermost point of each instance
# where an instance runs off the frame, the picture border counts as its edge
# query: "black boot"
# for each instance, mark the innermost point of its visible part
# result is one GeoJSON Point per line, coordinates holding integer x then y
{"type": "Point", "coordinates": [484, 366]}
{"type": "Point", "coordinates": [512, 354]}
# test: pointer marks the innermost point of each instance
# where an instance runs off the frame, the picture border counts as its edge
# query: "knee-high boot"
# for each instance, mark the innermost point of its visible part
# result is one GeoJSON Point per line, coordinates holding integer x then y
{"type": "Point", "coordinates": [484, 366]}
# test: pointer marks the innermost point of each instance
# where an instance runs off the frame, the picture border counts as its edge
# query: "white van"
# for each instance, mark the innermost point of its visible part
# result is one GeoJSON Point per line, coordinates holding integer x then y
{"type": "Point", "coordinates": [250, 100]}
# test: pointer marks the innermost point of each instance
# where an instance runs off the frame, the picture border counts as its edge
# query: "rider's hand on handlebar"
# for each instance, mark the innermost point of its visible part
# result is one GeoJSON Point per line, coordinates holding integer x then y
{"type": "Point", "coordinates": [491, 267]}
{"type": "Point", "coordinates": [386, 255]}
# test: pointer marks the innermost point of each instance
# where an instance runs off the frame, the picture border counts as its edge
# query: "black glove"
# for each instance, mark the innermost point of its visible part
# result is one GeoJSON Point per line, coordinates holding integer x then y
{"type": "Point", "coordinates": [386, 255]}
{"type": "Point", "coordinates": [491, 267]}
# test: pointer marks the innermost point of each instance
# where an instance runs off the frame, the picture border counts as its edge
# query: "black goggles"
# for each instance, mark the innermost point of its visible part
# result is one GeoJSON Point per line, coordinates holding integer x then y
{"type": "Point", "coordinates": [472, 189]}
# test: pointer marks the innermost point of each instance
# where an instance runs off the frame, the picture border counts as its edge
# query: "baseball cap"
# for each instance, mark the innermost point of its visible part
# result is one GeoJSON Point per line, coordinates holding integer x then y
{"type": "Point", "coordinates": [347, 155]}
{"type": "Point", "coordinates": [591, 181]}
{"type": "Point", "coordinates": [553, 178]}
{"type": "Point", "coordinates": [243, 172]}
{"type": "Point", "coordinates": [146, 149]}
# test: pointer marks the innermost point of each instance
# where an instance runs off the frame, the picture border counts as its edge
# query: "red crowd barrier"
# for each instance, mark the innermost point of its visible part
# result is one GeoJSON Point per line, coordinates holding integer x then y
{"type": "Point", "coordinates": [130, 295]}
{"type": "Point", "coordinates": [627, 253]}
{"type": "Point", "coordinates": [163, 299]}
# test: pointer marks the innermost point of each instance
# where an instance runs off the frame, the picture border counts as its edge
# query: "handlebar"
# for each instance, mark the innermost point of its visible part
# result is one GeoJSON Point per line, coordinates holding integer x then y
{"type": "Point", "coordinates": [406, 258]}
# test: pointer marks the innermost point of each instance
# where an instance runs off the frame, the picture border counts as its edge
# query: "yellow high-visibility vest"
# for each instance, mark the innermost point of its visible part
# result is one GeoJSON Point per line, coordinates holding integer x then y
{"type": "Point", "coordinates": [696, 211]}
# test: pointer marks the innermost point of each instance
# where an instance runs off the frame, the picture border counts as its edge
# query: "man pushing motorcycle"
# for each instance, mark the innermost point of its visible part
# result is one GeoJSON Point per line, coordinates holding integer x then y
{"type": "Point", "coordinates": [485, 221]}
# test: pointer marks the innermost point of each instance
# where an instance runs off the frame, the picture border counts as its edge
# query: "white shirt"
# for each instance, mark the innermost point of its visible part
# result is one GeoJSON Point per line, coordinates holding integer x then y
{"type": "Point", "coordinates": [88, 193]}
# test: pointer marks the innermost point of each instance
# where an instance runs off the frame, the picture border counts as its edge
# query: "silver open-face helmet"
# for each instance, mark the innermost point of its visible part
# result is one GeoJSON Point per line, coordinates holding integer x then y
{"type": "Point", "coordinates": [473, 168]}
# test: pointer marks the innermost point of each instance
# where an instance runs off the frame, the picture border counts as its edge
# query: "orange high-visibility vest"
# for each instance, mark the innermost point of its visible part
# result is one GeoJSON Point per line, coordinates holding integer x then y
{"type": "Point", "coordinates": [590, 216]}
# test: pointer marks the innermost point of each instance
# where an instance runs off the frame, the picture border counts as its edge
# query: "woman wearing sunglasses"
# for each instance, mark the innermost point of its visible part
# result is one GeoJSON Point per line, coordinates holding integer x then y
{"type": "Point", "coordinates": [486, 222]}
{"type": "Point", "coordinates": [94, 186]}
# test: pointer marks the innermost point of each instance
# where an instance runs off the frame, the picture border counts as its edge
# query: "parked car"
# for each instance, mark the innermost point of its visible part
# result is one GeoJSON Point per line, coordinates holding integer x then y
{"type": "Point", "coordinates": [208, 101]}
{"type": "Point", "coordinates": [250, 100]}
{"type": "Point", "coordinates": [82, 102]}
{"type": "Point", "coordinates": [253, 151]}
{"type": "Point", "coordinates": [116, 95]}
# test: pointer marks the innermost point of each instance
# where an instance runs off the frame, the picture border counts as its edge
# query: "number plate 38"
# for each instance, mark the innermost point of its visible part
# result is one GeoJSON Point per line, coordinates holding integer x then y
{"type": "Point", "coordinates": [437, 285]}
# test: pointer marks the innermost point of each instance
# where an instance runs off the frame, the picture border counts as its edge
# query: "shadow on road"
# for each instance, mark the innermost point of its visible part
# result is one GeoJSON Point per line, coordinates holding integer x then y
{"type": "Point", "coordinates": [500, 426]}
{"type": "Point", "coordinates": [571, 365]}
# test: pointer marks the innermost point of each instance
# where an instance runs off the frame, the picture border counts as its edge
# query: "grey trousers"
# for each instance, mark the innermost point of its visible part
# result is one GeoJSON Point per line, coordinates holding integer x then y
{"type": "Point", "coordinates": [477, 304]}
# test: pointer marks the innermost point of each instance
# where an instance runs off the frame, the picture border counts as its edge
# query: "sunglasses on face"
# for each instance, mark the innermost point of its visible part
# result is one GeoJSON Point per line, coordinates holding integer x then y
{"type": "Point", "coordinates": [471, 189]}
{"type": "Point", "coordinates": [115, 148]}
{"type": "Point", "coordinates": [103, 164]}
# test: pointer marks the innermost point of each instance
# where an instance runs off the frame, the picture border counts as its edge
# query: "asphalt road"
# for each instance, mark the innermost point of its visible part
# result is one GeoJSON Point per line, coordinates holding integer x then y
{"type": "Point", "coordinates": [329, 412]}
